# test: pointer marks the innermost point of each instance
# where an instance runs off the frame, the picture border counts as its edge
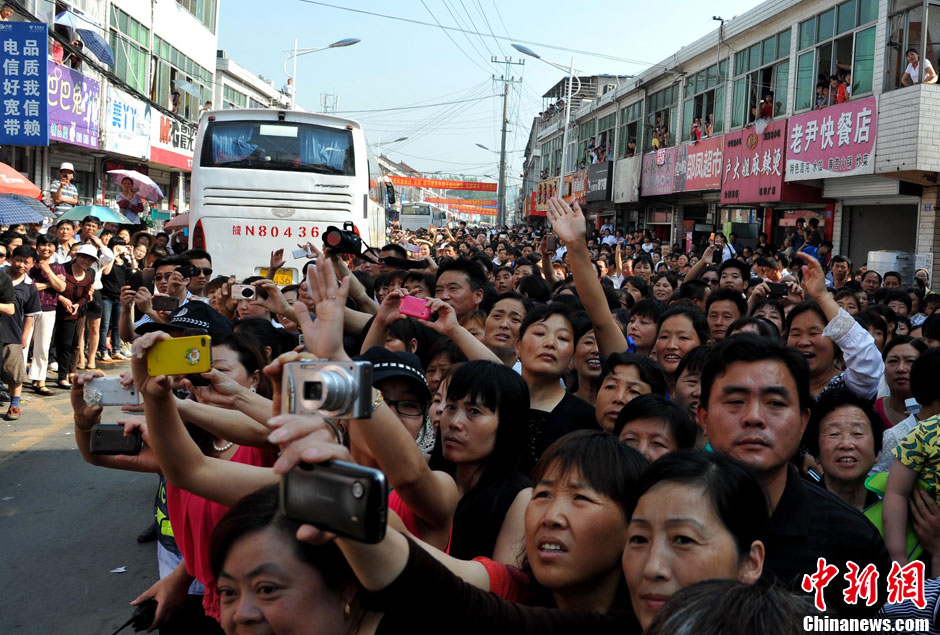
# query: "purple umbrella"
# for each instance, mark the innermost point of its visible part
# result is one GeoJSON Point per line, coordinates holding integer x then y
{"type": "Point", "coordinates": [143, 184]}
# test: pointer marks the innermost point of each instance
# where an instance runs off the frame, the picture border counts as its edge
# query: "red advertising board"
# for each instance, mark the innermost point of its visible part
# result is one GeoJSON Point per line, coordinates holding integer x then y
{"type": "Point", "coordinates": [754, 164]}
{"type": "Point", "coordinates": [443, 184]}
{"type": "Point", "coordinates": [698, 165]}
{"type": "Point", "coordinates": [835, 141]}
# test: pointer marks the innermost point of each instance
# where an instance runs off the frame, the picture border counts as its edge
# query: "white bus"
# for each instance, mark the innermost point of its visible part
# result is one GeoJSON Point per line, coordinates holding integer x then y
{"type": "Point", "coordinates": [416, 216]}
{"type": "Point", "coordinates": [268, 179]}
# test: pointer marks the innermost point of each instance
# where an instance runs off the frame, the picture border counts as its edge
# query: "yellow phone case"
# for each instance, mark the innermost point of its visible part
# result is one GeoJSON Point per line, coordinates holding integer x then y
{"type": "Point", "coordinates": [180, 356]}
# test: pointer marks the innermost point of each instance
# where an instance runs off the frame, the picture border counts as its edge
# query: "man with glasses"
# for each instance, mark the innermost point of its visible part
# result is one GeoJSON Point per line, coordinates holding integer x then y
{"type": "Point", "coordinates": [167, 281]}
{"type": "Point", "coordinates": [202, 262]}
{"type": "Point", "coordinates": [63, 191]}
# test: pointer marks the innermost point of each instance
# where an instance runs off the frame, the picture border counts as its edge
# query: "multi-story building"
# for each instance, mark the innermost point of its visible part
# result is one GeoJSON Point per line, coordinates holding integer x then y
{"type": "Point", "coordinates": [237, 87]}
{"type": "Point", "coordinates": [140, 113]}
{"type": "Point", "coordinates": [738, 131]}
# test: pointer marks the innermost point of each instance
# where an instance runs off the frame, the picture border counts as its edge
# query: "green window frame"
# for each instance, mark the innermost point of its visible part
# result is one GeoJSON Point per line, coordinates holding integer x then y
{"type": "Point", "coordinates": [823, 41]}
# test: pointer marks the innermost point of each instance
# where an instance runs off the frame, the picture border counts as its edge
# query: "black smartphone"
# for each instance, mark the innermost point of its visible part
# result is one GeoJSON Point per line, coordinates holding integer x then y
{"type": "Point", "coordinates": [551, 243]}
{"type": "Point", "coordinates": [164, 303]}
{"type": "Point", "coordinates": [109, 439]}
{"type": "Point", "coordinates": [778, 289]}
{"type": "Point", "coordinates": [343, 498]}
{"type": "Point", "coordinates": [188, 271]}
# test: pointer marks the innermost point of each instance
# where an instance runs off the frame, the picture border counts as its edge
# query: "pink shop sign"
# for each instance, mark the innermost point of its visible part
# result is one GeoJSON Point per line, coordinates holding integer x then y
{"type": "Point", "coordinates": [836, 141]}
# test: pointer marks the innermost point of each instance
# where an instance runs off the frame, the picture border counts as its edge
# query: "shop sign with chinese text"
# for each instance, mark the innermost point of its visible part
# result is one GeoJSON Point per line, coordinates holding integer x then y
{"type": "Point", "coordinates": [753, 164]}
{"type": "Point", "coordinates": [24, 114]}
{"type": "Point", "coordinates": [127, 125]}
{"type": "Point", "coordinates": [74, 106]}
{"type": "Point", "coordinates": [658, 172]}
{"type": "Point", "coordinates": [698, 165]}
{"type": "Point", "coordinates": [172, 141]}
{"type": "Point", "coordinates": [835, 141]}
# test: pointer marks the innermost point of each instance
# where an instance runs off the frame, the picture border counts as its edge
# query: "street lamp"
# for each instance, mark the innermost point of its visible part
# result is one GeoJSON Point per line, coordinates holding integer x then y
{"type": "Point", "coordinates": [525, 50]}
{"type": "Point", "coordinates": [378, 145]}
{"type": "Point", "coordinates": [349, 41]}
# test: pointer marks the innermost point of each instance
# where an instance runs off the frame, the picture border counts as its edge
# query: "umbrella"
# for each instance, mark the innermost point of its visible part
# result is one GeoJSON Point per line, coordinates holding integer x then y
{"type": "Point", "coordinates": [143, 184]}
{"type": "Point", "coordinates": [31, 203]}
{"type": "Point", "coordinates": [12, 182]}
{"type": "Point", "coordinates": [178, 221]}
{"type": "Point", "coordinates": [188, 87]}
{"type": "Point", "coordinates": [13, 211]}
{"type": "Point", "coordinates": [97, 45]}
{"type": "Point", "coordinates": [106, 214]}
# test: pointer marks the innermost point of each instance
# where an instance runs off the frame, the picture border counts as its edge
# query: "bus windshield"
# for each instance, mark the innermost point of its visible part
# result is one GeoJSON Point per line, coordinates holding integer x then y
{"type": "Point", "coordinates": [415, 210]}
{"type": "Point", "coordinates": [263, 145]}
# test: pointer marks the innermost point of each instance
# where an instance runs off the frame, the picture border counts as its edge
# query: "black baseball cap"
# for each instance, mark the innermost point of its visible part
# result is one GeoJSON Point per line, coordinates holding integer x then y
{"type": "Point", "coordinates": [192, 315]}
{"type": "Point", "coordinates": [387, 364]}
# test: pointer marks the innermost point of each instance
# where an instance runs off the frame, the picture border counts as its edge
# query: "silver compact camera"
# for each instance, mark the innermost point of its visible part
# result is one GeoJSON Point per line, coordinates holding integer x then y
{"type": "Point", "coordinates": [331, 389]}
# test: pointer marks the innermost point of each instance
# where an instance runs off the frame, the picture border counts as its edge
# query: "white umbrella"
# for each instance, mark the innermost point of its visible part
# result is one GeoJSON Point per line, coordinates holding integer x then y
{"type": "Point", "coordinates": [143, 184]}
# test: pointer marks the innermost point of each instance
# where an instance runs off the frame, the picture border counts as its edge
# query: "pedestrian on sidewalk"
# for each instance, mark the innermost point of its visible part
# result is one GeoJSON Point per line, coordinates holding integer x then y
{"type": "Point", "coordinates": [14, 329]}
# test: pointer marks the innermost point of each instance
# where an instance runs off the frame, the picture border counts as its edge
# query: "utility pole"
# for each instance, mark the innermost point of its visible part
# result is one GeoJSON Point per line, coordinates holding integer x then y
{"type": "Point", "coordinates": [507, 79]}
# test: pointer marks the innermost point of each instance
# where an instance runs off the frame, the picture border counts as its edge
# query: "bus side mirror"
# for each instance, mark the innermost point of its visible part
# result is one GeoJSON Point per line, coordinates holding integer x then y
{"type": "Point", "coordinates": [390, 193]}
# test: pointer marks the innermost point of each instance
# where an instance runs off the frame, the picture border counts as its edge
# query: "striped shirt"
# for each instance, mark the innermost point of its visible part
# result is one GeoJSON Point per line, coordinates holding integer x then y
{"type": "Point", "coordinates": [68, 191]}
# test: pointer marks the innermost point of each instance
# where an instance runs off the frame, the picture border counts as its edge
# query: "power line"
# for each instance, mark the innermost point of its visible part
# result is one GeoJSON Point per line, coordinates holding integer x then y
{"type": "Point", "coordinates": [505, 39]}
{"type": "Point", "coordinates": [443, 28]}
{"type": "Point", "coordinates": [490, 28]}
{"type": "Point", "coordinates": [443, 103]}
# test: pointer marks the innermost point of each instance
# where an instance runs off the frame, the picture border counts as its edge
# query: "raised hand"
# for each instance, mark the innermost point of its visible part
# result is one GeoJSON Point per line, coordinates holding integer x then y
{"type": "Point", "coordinates": [814, 278]}
{"type": "Point", "coordinates": [568, 222]}
{"type": "Point", "coordinates": [85, 416]}
{"type": "Point", "coordinates": [329, 300]}
{"type": "Point", "coordinates": [148, 386]}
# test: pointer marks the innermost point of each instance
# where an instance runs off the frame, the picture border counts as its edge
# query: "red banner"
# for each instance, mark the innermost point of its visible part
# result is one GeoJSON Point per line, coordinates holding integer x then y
{"type": "Point", "coordinates": [409, 181]}
{"type": "Point", "coordinates": [461, 201]}
{"type": "Point", "coordinates": [486, 211]}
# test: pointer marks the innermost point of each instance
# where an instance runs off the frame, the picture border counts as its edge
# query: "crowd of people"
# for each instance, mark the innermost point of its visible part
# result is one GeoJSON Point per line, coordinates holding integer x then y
{"type": "Point", "coordinates": [584, 431]}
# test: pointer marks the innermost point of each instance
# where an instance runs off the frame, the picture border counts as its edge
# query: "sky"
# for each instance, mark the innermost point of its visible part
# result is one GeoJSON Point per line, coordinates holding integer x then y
{"type": "Point", "coordinates": [424, 68]}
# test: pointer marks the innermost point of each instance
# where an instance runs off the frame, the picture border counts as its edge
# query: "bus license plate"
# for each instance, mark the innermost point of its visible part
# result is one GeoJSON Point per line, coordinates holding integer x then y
{"type": "Point", "coordinates": [282, 277]}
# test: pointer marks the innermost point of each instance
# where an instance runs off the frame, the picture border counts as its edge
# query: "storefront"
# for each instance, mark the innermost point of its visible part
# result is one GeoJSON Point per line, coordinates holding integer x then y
{"type": "Point", "coordinates": [838, 145]}
{"type": "Point", "coordinates": [74, 105]}
{"type": "Point", "coordinates": [599, 194]}
{"type": "Point", "coordinates": [126, 138]}
{"type": "Point", "coordinates": [626, 191]}
{"type": "Point", "coordinates": [657, 184]}
{"type": "Point", "coordinates": [697, 184]}
{"type": "Point", "coordinates": [172, 144]}
{"type": "Point", "coordinates": [754, 195]}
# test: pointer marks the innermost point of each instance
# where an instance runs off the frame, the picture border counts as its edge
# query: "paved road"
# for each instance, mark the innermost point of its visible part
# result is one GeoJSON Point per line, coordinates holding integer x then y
{"type": "Point", "coordinates": [64, 525]}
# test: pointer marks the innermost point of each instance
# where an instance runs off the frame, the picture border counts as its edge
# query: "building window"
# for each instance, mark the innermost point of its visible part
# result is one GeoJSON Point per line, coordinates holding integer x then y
{"type": "Point", "coordinates": [905, 22]}
{"type": "Point", "coordinates": [760, 72]}
{"type": "Point", "coordinates": [605, 134]}
{"type": "Point", "coordinates": [202, 10]}
{"type": "Point", "coordinates": [630, 122]}
{"type": "Point", "coordinates": [170, 66]}
{"type": "Point", "coordinates": [661, 117]}
{"type": "Point", "coordinates": [231, 98]}
{"type": "Point", "coordinates": [585, 145]}
{"type": "Point", "coordinates": [705, 103]}
{"type": "Point", "coordinates": [837, 43]}
{"type": "Point", "coordinates": [551, 151]}
{"type": "Point", "coordinates": [130, 41]}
